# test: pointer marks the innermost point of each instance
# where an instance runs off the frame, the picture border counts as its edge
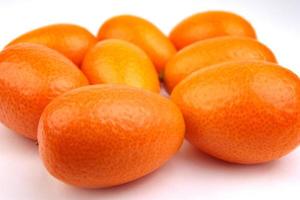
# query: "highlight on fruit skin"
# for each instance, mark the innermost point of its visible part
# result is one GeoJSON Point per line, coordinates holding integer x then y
{"type": "Point", "coordinates": [71, 40]}
{"type": "Point", "coordinates": [210, 24]}
{"type": "Point", "coordinates": [242, 112]}
{"type": "Point", "coordinates": [120, 62]}
{"type": "Point", "coordinates": [143, 34]}
{"type": "Point", "coordinates": [31, 75]}
{"type": "Point", "coordinates": [105, 135]}
{"type": "Point", "coordinates": [213, 51]}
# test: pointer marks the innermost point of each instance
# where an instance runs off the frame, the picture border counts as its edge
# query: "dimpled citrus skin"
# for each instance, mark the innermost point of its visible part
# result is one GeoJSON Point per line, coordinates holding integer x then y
{"type": "Point", "coordinates": [207, 25]}
{"type": "Point", "coordinates": [213, 51]}
{"type": "Point", "coordinates": [105, 135]}
{"type": "Point", "coordinates": [71, 40]}
{"type": "Point", "coordinates": [31, 75]}
{"type": "Point", "coordinates": [143, 34]}
{"type": "Point", "coordinates": [121, 62]}
{"type": "Point", "coordinates": [242, 112]}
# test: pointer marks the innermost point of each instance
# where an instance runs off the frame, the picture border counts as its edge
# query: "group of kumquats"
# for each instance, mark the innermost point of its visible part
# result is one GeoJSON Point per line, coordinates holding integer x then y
{"type": "Point", "coordinates": [94, 104]}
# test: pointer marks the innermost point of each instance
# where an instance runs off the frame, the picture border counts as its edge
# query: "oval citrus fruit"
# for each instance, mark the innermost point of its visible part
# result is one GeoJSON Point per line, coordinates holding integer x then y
{"type": "Point", "coordinates": [31, 75]}
{"type": "Point", "coordinates": [210, 24]}
{"type": "Point", "coordinates": [243, 112]}
{"type": "Point", "coordinates": [105, 135]}
{"type": "Point", "coordinates": [71, 40]}
{"type": "Point", "coordinates": [121, 62]}
{"type": "Point", "coordinates": [213, 51]}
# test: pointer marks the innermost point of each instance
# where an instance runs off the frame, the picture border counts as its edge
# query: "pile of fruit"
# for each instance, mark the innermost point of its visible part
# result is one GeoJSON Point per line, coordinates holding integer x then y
{"type": "Point", "coordinates": [94, 106]}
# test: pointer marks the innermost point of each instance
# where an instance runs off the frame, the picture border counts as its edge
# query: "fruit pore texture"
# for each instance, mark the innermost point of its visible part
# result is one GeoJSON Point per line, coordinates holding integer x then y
{"type": "Point", "coordinates": [31, 76]}
{"type": "Point", "coordinates": [241, 112]}
{"type": "Point", "coordinates": [105, 135]}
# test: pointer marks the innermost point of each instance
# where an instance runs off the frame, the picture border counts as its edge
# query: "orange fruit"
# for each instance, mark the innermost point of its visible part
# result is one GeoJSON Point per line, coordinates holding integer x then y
{"type": "Point", "coordinates": [105, 135]}
{"type": "Point", "coordinates": [243, 112]}
{"type": "Point", "coordinates": [210, 24]}
{"type": "Point", "coordinates": [121, 62]}
{"type": "Point", "coordinates": [213, 51]}
{"type": "Point", "coordinates": [31, 75]}
{"type": "Point", "coordinates": [143, 34]}
{"type": "Point", "coordinates": [71, 40]}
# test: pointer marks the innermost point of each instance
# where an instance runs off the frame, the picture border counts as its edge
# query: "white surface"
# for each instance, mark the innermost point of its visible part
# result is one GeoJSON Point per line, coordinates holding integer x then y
{"type": "Point", "coordinates": [190, 174]}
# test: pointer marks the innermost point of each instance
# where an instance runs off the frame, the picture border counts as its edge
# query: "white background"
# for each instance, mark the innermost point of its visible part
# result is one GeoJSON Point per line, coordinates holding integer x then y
{"type": "Point", "coordinates": [188, 175]}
